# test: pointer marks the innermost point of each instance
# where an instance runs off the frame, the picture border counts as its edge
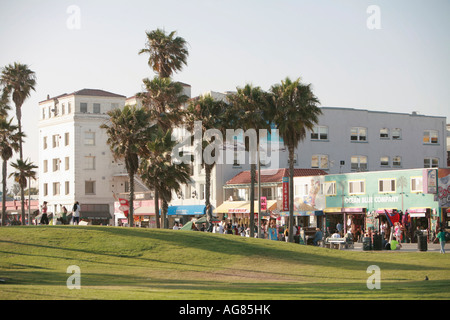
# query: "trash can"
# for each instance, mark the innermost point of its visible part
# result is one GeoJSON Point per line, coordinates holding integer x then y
{"type": "Point", "coordinates": [377, 242]}
{"type": "Point", "coordinates": [367, 243]}
{"type": "Point", "coordinates": [422, 244]}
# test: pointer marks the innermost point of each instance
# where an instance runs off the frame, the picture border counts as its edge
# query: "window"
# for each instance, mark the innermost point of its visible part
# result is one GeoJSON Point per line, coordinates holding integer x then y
{"type": "Point", "coordinates": [431, 163]}
{"type": "Point", "coordinates": [66, 139]}
{"type": "Point", "coordinates": [89, 138]}
{"type": "Point", "coordinates": [202, 191]}
{"type": "Point", "coordinates": [384, 133]}
{"type": "Point", "coordinates": [55, 140]}
{"type": "Point", "coordinates": [356, 187]}
{"type": "Point", "coordinates": [45, 143]}
{"type": "Point", "coordinates": [69, 107]}
{"type": "Point", "coordinates": [45, 165]}
{"type": "Point", "coordinates": [63, 109]}
{"type": "Point", "coordinates": [359, 163]}
{"type": "Point", "coordinates": [89, 163]}
{"type": "Point", "coordinates": [67, 187]}
{"type": "Point", "coordinates": [83, 107]}
{"type": "Point", "coordinates": [386, 185]}
{"type": "Point", "coordinates": [43, 113]}
{"type": "Point", "coordinates": [45, 189]}
{"type": "Point", "coordinates": [358, 134]}
{"type": "Point", "coordinates": [96, 107]}
{"type": "Point", "coordinates": [329, 188]}
{"type": "Point", "coordinates": [384, 161]}
{"type": "Point", "coordinates": [89, 187]}
{"type": "Point", "coordinates": [67, 163]}
{"type": "Point", "coordinates": [56, 187]}
{"type": "Point", "coordinates": [319, 161]}
{"type": "Point", "coordinates": [56, 164]}
{"type": "Point", "coordinates": [397, 161]}
{"type": "Point", "coordinates": [319, 133]}
{"type": "Point", "coordinates": [430, 137]}
{"type": "Point", "coordinates": [396, 134]}
{"type": "Point", "coordinates": [416, 184]}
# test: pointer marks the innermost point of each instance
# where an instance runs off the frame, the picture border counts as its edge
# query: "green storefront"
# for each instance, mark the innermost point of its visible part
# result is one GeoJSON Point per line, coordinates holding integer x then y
{"type": "Point", "coordinates": [361, 201]}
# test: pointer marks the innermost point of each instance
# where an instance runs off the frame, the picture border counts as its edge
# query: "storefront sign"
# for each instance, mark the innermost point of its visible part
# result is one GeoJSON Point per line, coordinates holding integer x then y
{"type": "Point", "coordinates": [263, 204]}
{"type": "Point", "coordinates": [370, 199]}
{"type": "Point", "coordinates": [430, 183]}
{"type": "Point", "coordinates": [285, 193]}
{"type": "Point", "coordinates": [444, 188]}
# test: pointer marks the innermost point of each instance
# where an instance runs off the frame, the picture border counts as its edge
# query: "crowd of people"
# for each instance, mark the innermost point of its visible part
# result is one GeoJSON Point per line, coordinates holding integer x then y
{"type": "Point", "coordinates": [62, 217]}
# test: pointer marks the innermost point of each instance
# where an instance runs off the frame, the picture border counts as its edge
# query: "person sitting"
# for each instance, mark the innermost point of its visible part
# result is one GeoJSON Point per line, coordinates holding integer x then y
{"type": "Point", "coordinates": [335, 235]}
{"type": "Point", "coordinates": [317, 237]}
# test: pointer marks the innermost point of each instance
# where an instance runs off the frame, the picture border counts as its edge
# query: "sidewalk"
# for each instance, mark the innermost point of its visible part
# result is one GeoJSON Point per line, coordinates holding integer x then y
{"type": "Point", "coordinates": [407, 247]}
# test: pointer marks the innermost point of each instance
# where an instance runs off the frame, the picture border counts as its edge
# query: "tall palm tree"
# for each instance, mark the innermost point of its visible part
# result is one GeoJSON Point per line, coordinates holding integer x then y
{"type": "Point", "coordinates": [128, 130]}
{"type": "Point", "coordinates": [209, 112]}
{"type": "Point", "coordinates": [249, 106]}
{"type": "Point", "coordinates": [167, 53]}
{"type": "Point", "coordinates": [4, 107]}
{"type": "Point", "coordinates": [160, 173]}
{"type": "Point", "coordinates": [24, 171]}
{"type": "Point", "coordinates": [19, 81]}
{"type": "Point", "coordinates": [295, 109]}
{"type": "Point", "coordinates": [164, 99]}
{"type": "Point", "coordinates": [9, 142]}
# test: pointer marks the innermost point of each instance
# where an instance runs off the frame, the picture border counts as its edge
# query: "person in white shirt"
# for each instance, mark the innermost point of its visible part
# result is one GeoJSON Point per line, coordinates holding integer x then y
{"type": "Point", "coordinates": [76, 213]}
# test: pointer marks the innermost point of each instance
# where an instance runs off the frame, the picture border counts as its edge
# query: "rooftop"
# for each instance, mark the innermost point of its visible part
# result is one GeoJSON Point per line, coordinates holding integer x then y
{"type": "Point", "coordinates": [86, 92]}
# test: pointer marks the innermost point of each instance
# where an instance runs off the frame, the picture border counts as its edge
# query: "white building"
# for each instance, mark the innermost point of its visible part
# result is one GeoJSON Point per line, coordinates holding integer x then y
{"type": "Point", "coordinates": [75, 162]}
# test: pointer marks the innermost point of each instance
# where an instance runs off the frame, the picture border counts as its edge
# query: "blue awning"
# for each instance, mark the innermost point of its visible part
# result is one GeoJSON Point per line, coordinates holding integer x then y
{"type": "Point", "coordinates": [186, 210]}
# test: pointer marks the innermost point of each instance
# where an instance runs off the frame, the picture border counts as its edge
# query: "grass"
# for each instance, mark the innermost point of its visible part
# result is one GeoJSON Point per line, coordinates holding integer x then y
{"type": "Point", "coordinates": [124, 263]}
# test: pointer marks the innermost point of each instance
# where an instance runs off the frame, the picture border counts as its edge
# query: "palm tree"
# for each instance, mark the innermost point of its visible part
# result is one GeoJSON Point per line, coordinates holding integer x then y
{"type": "Point", "coordinates": [209, 112]}
{"type": "Point", "coordinates": [4, 107]}
{"type": "Point", "coordinates": [19, 81]}
{"type": "Point", "coordinates": [250, 108]}
{"type": "Point", "coordinates": [9, 142]}
{"type": "Point", "coordinates": [128, 130]}
{"type": "Point", "coordinates": [295, 109]}
{"type": "Point", "coordinates": [160, 173]}
{"type": "Point", "coordinates": [24, 171]}
{"type": "Point", "coordinates": [168, 53]}
{"type": "Point", "coordinates": [163, 98]}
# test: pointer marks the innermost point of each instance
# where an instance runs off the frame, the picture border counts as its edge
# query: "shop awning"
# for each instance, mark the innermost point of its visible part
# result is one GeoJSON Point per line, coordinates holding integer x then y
{"type": "Point", "coordinates": [144, 211]}
{"type": "Point", "coordinates": [243, 206]}
{"type": "Point", "coordinates": [303, 213]}
{"type": "Point", "coordinates": [95, 215]}
{"type": "Point", "coordinates": [187, 210]}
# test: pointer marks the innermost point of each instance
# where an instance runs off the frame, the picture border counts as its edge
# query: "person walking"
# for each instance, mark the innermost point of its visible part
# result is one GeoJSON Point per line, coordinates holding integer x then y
{"type": "Point", "coordinates": [441, 237]}
{"type": "Point", "coordinates": [76, 213]}
{"type": "Point", "coordinates": [44, 218]}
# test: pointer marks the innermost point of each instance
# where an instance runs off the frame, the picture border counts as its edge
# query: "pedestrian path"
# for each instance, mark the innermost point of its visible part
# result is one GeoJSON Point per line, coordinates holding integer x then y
{"type": "Point", "coordinates": [407, 247]}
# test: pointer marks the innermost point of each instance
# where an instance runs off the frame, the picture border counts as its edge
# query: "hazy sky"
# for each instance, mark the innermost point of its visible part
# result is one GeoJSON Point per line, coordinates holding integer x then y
{"type": "Point", "coordinates": [402, 67]}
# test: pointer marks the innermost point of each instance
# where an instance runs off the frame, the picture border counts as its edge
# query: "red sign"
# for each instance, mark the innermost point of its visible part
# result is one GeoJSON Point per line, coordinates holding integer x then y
{"type": "Point", "coordinates": [285, 193]}
{"type": "Point", "coordinates": [263, 204]}
{"type": "Point", "coordinates": [124, 206]}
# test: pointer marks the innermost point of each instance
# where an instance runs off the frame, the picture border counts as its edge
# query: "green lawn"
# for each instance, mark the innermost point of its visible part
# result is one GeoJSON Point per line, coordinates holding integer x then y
{"type": "Point", "coordinates": [125, 263]}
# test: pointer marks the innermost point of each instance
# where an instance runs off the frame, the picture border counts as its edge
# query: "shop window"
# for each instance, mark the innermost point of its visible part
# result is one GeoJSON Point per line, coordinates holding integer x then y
{"type": "Point", "coordinates": [356, 187]}
{"type": "Point", "coordinates": [416, 184]}
{"type": "Point", "coordinates": [386, 185]}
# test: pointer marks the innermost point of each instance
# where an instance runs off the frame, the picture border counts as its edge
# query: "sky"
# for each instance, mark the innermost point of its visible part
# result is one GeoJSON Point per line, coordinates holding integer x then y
{"type": "Point", "coordinates": [385, 55]}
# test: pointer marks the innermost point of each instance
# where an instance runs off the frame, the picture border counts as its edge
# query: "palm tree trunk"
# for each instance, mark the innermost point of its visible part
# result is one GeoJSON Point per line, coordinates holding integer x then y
{"type": "Point", "coordinates": [158, 224]}
{"type": "Point", "coordinates": [131, 201]}
{"type": "Point", "coordinates": [4, 171]}
{"type": "Point", "coordinates": [208, 169]}
{"type": "Point", "coordinates": [252, 199]}
{"type": "Point", "coordinates": [291, 193]}
{"type": "Point", "coordinates": [22, 192]}
{"type": "Point", "coordinates": [165, 207]}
